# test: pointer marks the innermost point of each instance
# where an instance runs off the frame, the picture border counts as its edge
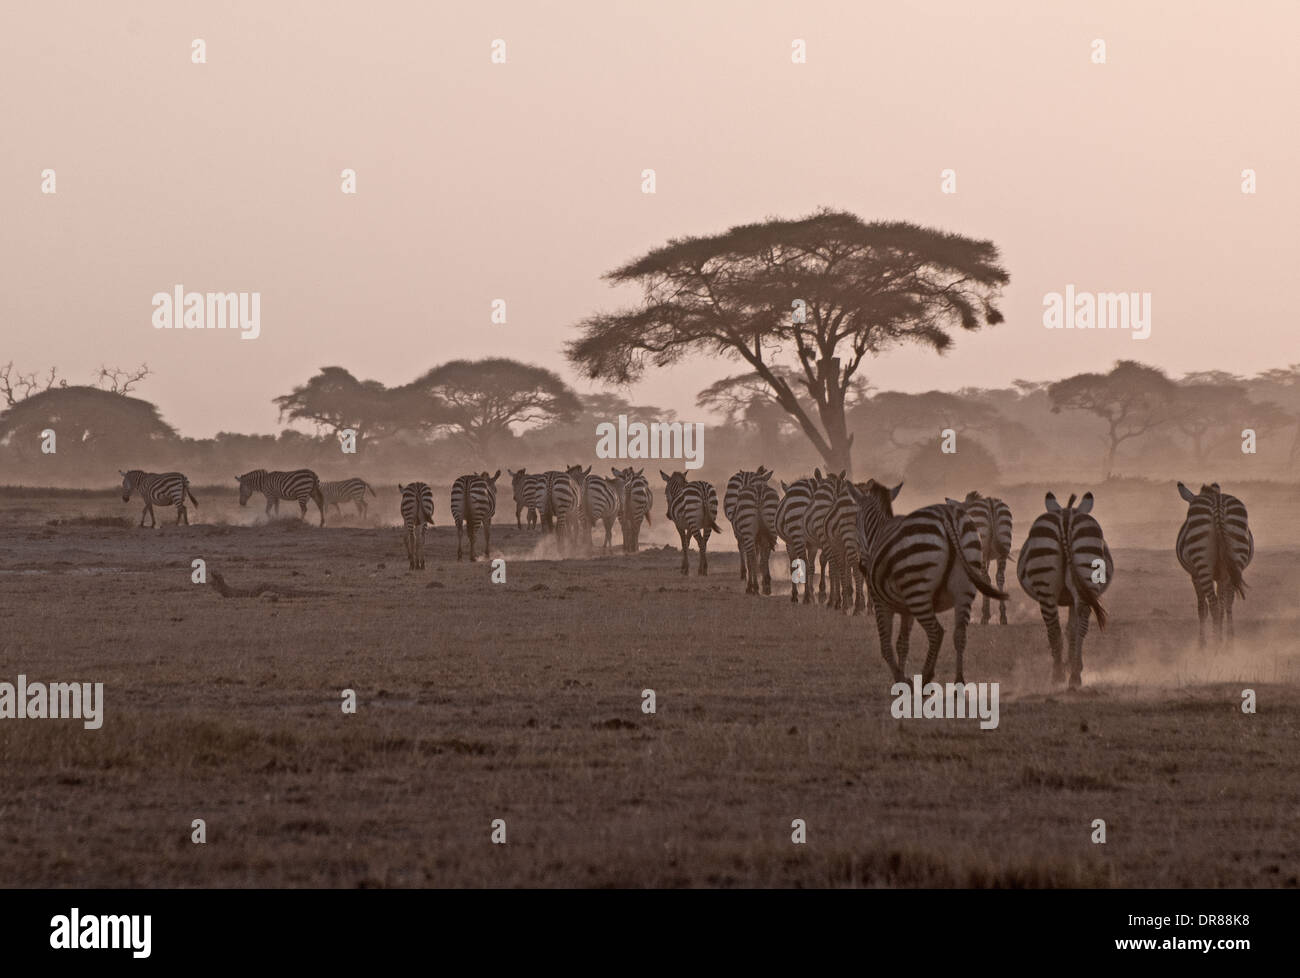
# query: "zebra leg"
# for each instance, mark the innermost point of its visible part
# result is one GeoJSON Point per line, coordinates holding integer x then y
{"type": "Point", "coordinates": [1202, 609]}
{"type": "Point", "coordinates": [743, 559]}
{"type": "Point", "coordinates": [984, 610]}
{"type": "Point", "coordinates": [460, 552]}
{"type": "Point", "coordinates": [1077, 633]}
{"type": "Point", "coordinates": [767, 571]}
{"type": "Point", "coordinates": [1052, 619]}
{"type": "Point", "coordinates": [143, 512]}
{"type": "Point", "coordinates": [1002, 586]}
{"type": "Point", "coordinates": [1216, 614]}
{"type": "Point", "coordinates": [1228, 595]}
{"type": "Point", "coordinates": [960, 619]}
{"type": "Point", "coordinates": [686, 550]}
{"type": "Point", "coordinates": [934, 634]}
{"type": "Point", "coordinates": [821, 581]}
{"type": "Point", "coordinates": [269, 501]}
{"type": "Point", "coordinates": [859, 602]}
{"type": "Point", "coordinates": [791, 555]}
{"type": "Point", "coordinates": [181, 514]}
{"type": "Point", "coordinates": [487, 540]}
{"type": "Point", "coordinates": [884, 626]}
{"type": "Point", "coordinates": [302, 505]}
{"type": "Point", "coordinates": [702, 538]}
{"type": "Point", "coordinates": [904, 642]}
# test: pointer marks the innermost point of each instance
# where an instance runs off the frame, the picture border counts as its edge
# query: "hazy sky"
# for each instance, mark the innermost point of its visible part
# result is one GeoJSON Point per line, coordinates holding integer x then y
{"type": "Point", "coordinates": [522, 181]}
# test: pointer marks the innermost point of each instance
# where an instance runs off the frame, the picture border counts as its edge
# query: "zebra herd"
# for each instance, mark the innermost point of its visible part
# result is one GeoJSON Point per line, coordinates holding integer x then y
{"type": "Point", "coordinates": [911, 567]}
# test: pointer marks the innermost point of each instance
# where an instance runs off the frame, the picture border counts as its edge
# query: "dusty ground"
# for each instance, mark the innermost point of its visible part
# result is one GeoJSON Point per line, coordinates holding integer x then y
{"type": "Point", "coordinates": [522, 702]}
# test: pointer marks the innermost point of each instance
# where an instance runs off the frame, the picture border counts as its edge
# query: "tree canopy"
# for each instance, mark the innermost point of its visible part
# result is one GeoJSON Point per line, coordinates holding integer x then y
{"type": "Point", "coordinates": [802, 302]}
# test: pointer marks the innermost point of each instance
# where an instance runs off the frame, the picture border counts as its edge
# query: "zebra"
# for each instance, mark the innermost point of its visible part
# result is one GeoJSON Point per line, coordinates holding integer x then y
{"type": "Point", "coordinates": [693, 507]}
{"type": "Point", "coordinates": [826, 489]}
{"type": "Point", "coordinates": [790, 528]}
{"type": "Point", "coordinates": [734, 485]}
{"type": "Point", "coordinates": [634, 502]}
{"type": "Point", "coordinates": [300, 484]}
{"type": "Point", "coordinates": [992, 517]}
{"type": "Point", "coordinates": [417, 510]}
{"type": "Point", "coordinates": [1215, 546]}
{"type": "Point", "coordinates": [343, 491]}
{"type": "Point", "coordinates": [163, 488]}
{"type": "Point", "coordinates": [530, 494]}
{"type": "Point", "coordinates": [754, 531]}
{"type": "Point", "coordinates": [599, 502]}
{"type": "Point", "coordinates": [917, 566]}
{"type": "Point", "coordinates": [474, 503]}
{"type": "Point", "coordinates": [1065, 563]}
{"type": "Point", "coordinates": [564, 507]}
{"type": "Point", "coordinates": [840, 532]}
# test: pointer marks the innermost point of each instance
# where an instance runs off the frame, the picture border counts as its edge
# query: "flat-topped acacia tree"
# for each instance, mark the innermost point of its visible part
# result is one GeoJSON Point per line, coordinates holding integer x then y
{"type": "Point", "coordinates": [802, 302]}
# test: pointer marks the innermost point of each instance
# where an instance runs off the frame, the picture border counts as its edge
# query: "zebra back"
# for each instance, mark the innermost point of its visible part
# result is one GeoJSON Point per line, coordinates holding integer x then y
{"type": "Point", "coordinates": [1215, 535]}
{"type": "Point", "coordinates": [417, 504]}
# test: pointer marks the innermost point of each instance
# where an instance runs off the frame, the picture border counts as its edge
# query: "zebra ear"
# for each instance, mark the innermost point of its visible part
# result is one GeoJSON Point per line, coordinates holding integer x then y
{"type": "Point", "coordinates": [1085, 504]}
{"type": "Point", "coordinates": [951, 502]}
{"type": "Point", "coordinates": [817, 474]}
{"type": "Point", "coordinates": [764, 474]}
{"type": "Point", "coordinates": [893, 493]}
{"type": "Point", "coordinates": [401, 488]}
{"type": "Point", "coordinates": [784, 487]}
{"type": "Point", "coordinates": [1052, 505]}
{"type": "Point", "coordinates": [1186, 493]}
{"type": "Point", "coordinates": [495, 477]}
{"type": "Point", "coordinates": [666, 478]}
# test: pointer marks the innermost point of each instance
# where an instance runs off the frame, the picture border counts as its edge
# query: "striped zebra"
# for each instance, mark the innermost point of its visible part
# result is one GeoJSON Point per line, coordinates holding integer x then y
{"type": "Point", "coordinates": [473, 504]}
{"type": "Point", "coordinates": [300, 484]}
{"type": "Point", "coordinates": [825, 491]}
{"type": "Point", "coordinates": [1065, 563]}
{"type": "Point", "coordinates": [734, 485]}
{"type": "Point", "coordinates": [992, 517]}
{"type": "Point", "coordinates": [841, 535]}
{"type": "Point", "coordinates": [1214, 546]}
{"type": "Point", "coordinates": [790, 528]}
{"type": "Point", "coordinates": [599, 503]}
{"type": "Point", "coordinates": [530, 494]}
{"type": "Point", "coordinates": [347, 490]}
{"type": "Point", "coordinates": [754, 531]}
{"type": "Point", "coordinates": [634, 502]}
{"type": "Point", "coordinates": [417, 510]}
{"type": "Point", "coordinates": [917, 566]}
{"type": "Point", "coordinates": [163, 488]}
{"type": "Point", "coordinates": [693, 507]}
{"type": "Point", "coordinates": [564, 498]}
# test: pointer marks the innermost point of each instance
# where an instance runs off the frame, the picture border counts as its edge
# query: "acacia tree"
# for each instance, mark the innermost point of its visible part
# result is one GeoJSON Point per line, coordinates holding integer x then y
{"type": "Point", "coordinates": [815, 296]}
{"type": "Point", "coordinates": [485, 400]}
{"type": "Point", "coordinates": [1281, 386]}
{"type": "Point", "coordinates": [1132, 400]}
{"type": "Point", "coordinates": [88, 422]}
{"type": "Point", "coordinates": [334, 399]}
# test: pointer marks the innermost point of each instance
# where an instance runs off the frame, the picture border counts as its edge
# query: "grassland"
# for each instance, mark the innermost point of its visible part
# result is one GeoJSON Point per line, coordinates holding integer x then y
{"type": "Point", "coordinates": [522, 701]}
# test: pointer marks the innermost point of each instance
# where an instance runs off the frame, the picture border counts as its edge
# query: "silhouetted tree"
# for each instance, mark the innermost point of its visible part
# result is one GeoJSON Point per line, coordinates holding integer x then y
{"type": "Point", "coordinates": [484, 400]}
{"type": "Point", "coordinates": [863, 287]}
{"type": "Point", "coordinates": [86, 421]}
{"type": "Point", "coordinates": [334, 400]}
{"type": "Point", "coordinates": [1132, 400]}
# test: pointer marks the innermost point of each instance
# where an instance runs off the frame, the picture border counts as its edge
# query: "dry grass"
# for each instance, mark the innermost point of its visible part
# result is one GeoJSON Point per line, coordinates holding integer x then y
{"type": "Point", "coordinates": [515, 701]}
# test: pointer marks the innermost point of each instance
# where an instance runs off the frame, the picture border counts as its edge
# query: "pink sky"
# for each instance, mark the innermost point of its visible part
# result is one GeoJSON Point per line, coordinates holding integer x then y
{"type": "Point", "coordinates": [522, 181]}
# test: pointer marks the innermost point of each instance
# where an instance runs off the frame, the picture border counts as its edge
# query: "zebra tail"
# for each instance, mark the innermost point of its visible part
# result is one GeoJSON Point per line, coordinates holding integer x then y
{"type": "Point", "coordinates": [189, 492]}
{"type": "Point", "coordinates": [372, 490]}
{"type": "Point", "coordinates": [1234, 572]}
{"type": "Point", "coordinates": [976, 574]}
{"type": "Point", "coordinates": [1080, 585]}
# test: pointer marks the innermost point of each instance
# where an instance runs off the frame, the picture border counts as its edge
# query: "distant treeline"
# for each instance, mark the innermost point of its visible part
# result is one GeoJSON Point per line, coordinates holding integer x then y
{"type": "Point", "coordinates": [1133, 421]}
